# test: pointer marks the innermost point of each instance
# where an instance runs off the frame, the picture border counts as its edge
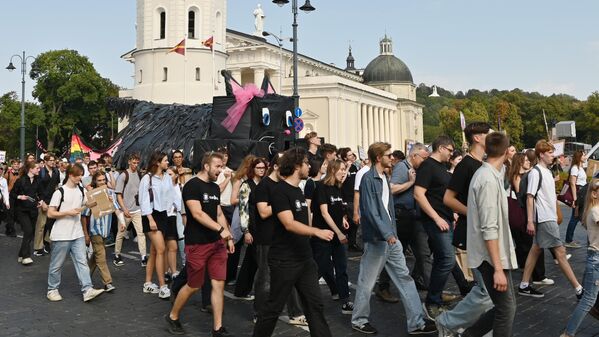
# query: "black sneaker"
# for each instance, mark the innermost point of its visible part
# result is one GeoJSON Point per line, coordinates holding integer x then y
{"type": "Point", "coordinates": [222, 332]}
{"type": "Point", "coordinates": [347, 308]}
{"type": "Point", "coordinates": [109, 242]}
{"type": "Point", "coordinates": [144, 261]}
{"type": "Point", "coordinates": [429, 327]}
{"type": "Point", "coordinates": [531, 292]}
{"type": "Point", "coordinates": [39, 252]}
{"type": "Point", "coordinates": [174, 326]}
{"type": "Point", "coordinates": [118, 261]}
{"type": "Point", "coordinates": [364, 328]}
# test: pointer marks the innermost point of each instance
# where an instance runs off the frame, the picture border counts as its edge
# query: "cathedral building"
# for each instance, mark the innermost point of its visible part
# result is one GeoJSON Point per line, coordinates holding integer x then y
{"type": "Point", "coordinates": [346, 106]}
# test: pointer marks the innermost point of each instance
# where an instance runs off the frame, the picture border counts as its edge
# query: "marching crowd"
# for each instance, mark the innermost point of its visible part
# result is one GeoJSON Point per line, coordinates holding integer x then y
{"type": "Point", "coordinates": [475, 216]}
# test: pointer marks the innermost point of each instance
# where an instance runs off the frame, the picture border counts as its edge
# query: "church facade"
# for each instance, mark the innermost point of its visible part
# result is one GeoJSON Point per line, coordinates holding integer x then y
{"type": "Point", "coordinates": [348, 107]}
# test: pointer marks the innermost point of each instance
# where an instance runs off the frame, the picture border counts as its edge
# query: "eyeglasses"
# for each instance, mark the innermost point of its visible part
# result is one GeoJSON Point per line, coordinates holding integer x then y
{"type": "Point", "coordinates": [390, 155]}
{"type": "Point", "coordinates": [451, 149]}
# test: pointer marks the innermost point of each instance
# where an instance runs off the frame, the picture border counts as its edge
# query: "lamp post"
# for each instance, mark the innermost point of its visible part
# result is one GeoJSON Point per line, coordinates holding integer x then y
{"type": "Point", "coordinates": [307, 7]}
{"type": "Point", "coordinates": [280, 38]}
{"type": "Point", "coordinates": [11, 67]}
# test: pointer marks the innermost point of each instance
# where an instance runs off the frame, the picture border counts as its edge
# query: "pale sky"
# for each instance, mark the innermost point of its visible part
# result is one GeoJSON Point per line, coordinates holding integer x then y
{"type": "Point", "coordinates": [547, 46]}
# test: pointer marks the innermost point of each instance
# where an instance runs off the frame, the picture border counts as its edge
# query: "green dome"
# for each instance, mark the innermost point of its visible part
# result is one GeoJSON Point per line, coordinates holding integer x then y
{"type": "Point", "coordinates": [387, 68]}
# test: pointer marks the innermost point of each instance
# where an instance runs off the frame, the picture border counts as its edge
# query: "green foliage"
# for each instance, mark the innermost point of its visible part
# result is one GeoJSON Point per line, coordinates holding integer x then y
{"type": "Point", "coordinates": [520, 113]}
{"type": "Point", "coordinates": [72, 95]}
{"type": "Point", "coordinates": [10, 124]}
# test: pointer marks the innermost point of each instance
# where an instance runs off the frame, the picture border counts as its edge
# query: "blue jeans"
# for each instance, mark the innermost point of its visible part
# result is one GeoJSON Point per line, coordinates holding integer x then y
{"type": "Point", "coordinates": [76, 248]}
{"type": "Point", "coordinates": [591, 288]}
{"type": "Point", "coordinates": [443, 260]}
{"type": "Point", "coordinates": [469, 310]}
{"type": "Point", "coordinates": [571, 227]}
{"type": "Point", "coordinates": [379, 254]}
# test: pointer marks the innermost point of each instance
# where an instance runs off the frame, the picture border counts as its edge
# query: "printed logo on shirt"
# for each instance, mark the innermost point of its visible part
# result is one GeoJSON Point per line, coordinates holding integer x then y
{"type": "Point", "coordinates": [206, 198]}
{"type": "Point", "coordinates": [336, 199]}
{"type": "Point", "coordinates": [299, 205]}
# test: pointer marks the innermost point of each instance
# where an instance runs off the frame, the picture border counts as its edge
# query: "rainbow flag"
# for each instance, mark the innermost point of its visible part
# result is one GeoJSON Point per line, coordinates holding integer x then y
{"type": "Point", "coordinates": [78, 148]}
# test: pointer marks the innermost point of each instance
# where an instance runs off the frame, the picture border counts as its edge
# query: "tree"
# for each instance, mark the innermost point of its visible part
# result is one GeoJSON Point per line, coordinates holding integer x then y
{"type": "Point", "coordinates": [10, 124]}
{"type": "Point", "coordinates": [72, 95]}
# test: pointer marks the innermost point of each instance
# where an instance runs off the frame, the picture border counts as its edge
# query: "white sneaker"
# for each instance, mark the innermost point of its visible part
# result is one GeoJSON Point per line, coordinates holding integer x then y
{"type": "Point", "coordinates": [150, 288]}
{"type": "Point", "coordinates": [299, 320]}
{"type": "Point", "coordinates": [53, 295]}
{"type": "Point", "coordinates": [91, 293]}
{"type": "Point", "coordinates": [545, 282]}
{"type": "Point", "coordinates": [321, 281]}
{"type": "Point", "coordinates": [19, 259]}
{"type": "Point", "coordinates": [568, 256]}
{"type": "Point", "coordinates": [27, 261]}
{"type": "Point", "coordinates": [164, 292]}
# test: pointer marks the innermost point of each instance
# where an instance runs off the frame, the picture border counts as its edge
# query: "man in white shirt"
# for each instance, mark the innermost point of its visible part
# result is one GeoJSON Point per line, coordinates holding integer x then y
{"type": "Point", "coordinates": [541, 212]}
{"type": "Point", "coordinates": [68, 237]}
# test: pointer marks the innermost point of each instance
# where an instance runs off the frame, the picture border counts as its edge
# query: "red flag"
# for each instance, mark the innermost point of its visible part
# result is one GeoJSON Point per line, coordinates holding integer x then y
{"type": "Point", "coordinates": [209, 42]}
{"type": "Point", "coordinates": [179, 48]}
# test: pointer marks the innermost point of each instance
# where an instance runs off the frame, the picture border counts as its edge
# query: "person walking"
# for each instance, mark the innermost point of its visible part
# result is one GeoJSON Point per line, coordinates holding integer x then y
{"type": "Point", "coordinates": [577, 179]}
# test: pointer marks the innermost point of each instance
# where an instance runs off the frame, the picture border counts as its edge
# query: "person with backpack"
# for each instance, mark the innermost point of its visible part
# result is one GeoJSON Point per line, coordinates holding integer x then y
{"type": "Point", "coordinates": [155, 194]}
{"type": "Point", "coordinates": [127, 194]}
{"type": "Point", "coordinates": [577, 179]}
{"type": "Point", "coordinates": [541, 215]}
{"type": "Point", "coordinates": [96, 232]}
{"type": "Point", "coordinates": [68, 236]}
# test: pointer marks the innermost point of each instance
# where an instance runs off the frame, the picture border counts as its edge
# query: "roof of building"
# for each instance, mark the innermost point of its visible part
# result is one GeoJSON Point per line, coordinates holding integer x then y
{"type": "Point", "coordinates": [387, 68]}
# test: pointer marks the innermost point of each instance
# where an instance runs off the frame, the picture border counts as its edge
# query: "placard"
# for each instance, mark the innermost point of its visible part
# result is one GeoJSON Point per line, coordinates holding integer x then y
{"type": "Point", "coordinates": [559, 147]}
{"type": "Point", "coordinates": [362, 153]}
{"type": "Point", "coordinates": [104, 205]}
{"type": "Point", "coordinates": [2, 156]}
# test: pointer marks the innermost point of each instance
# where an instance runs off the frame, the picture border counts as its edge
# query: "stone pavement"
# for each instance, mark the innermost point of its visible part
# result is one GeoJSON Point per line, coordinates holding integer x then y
{"type": "Point", "coordinates": [25, 311]}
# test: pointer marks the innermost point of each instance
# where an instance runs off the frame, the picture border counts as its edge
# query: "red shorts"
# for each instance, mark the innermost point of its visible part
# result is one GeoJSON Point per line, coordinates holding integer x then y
{"type": "Point", "coordinates": [211, 256]}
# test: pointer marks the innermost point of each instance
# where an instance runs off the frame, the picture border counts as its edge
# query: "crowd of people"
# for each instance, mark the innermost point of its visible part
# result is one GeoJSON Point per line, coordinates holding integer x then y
{"type": "Point", "coordinates": [475, 215]}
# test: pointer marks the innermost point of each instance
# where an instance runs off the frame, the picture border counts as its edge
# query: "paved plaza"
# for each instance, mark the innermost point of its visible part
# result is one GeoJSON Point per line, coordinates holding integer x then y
{"type": "Point", "coordinates": [128, 312]}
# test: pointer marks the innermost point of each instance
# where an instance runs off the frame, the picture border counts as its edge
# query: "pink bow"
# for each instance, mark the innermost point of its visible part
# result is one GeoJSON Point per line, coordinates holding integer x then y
{"type": "Point", "coordinates": [243, 96]}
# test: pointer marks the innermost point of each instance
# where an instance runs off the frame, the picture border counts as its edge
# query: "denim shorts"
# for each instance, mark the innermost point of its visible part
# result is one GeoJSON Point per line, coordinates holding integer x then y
{"type": "Point", "coordinates": [547, 235]}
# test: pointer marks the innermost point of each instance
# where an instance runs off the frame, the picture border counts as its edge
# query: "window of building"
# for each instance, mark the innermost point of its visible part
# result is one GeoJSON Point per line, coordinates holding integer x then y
{"type": "Point", "coordinates": [140, 78]}
{"type": "Point", "coordinates": [191, 24]}
{"type": "Point", "coordinates": [198, 78]}
{"type": "Point", "coordinates": [162, 25]}
{"type": "Point", "coordinates": [164, 74]}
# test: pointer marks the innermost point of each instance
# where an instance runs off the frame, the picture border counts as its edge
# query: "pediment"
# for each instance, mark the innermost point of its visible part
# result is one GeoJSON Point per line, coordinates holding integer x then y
{"type": "Point", "coordinates": [309, 114]}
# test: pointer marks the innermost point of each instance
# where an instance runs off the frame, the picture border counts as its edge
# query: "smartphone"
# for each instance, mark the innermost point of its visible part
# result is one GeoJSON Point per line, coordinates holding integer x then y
{"type": "Point", "coordinates": [31, 199]}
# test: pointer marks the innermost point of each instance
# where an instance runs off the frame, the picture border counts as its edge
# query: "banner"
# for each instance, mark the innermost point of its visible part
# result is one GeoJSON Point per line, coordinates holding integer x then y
{"type": "Point", "coordinates": [2, 156]}
{"type": "Point", "coordinates": [78, 148]}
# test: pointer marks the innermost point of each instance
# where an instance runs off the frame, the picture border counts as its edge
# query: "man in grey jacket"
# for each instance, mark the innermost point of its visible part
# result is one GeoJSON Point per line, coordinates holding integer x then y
{"type": "Point", "coordinates": [383, 249]}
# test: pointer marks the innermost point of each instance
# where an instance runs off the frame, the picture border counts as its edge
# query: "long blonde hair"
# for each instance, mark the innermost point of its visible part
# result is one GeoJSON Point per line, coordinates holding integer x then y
{"type": "Point", "coordinates": [332, 168]}
{"type": "Point", "coordinates": [589, 201]}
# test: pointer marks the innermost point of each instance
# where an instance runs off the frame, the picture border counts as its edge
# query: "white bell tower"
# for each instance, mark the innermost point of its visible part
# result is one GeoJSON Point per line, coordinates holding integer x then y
{"type": "Point", "coordinates": [168, 77]}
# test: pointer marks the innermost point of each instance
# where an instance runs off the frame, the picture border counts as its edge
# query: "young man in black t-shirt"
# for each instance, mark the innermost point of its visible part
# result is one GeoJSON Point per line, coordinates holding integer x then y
{"type": "Point", "coordinates": [265, 222]}
{"type": "Point", "coordinates": [207, 240]}
{"type": "Point", "coordinates": [290, 256]}
{"type": "Point", "coordinates": [432, 179]}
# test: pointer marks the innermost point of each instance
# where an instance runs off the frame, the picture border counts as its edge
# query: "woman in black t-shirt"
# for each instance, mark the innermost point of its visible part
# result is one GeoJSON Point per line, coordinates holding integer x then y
{"type": "Point", "coordinates": [247, 214]}
{"type": "Point", "coordinates": [328, 210]}
{"type": "Point", "coordinates": [318, 167]}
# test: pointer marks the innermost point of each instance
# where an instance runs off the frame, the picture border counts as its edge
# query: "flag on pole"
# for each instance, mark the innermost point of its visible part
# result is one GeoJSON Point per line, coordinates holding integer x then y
{"type": "Point", "coordinates": [209, 42]}
{"type": "Point", "coordinates": [179, 48]}
{"type": "Point", "coordinates": [462, 121]}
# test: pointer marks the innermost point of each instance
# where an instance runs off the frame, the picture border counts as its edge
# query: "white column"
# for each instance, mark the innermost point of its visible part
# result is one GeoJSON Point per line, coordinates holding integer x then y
{"type": "Point", "coordinates": [388, 136]}
{"type": "Point", "coordinates": [258, 76]}
{"type": "Point", "coordinates": [381, 133]}
{"type": "Point", "coordinates": [393, 130]}
{"type": "Point", "coordinates": [236, 73]}
{"type": "Point", "coordinates": [364, 118]}
{"type": "Point", "coordinates": [370, 125]}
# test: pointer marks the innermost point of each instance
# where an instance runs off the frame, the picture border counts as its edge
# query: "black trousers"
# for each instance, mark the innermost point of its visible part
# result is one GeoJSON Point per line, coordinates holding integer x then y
{"type": "Point", "coordinates": [284, 276]}
{"type": "Point", "coordinates": [233, 261]}
{"type": "Point", "coordinates": [352, 231]}
{"type": "Point", "coordinates": [523, 242]}
{"type": "Point", "coordinates": [27, 219]}
{"type": "Point", "coordinates": [504, 311]}
{"type": "Point", "coordinates": [245, 278]}
{"type": "Point", "coordinates": [10, 217]}
{"type": "Point", "coordinates": [331, 258]}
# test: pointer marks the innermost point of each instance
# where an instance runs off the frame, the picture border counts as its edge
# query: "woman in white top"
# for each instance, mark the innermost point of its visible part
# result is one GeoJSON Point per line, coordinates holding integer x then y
{"type": "Point", "coordinates": [155, 192]}
{"type": "Point", "coordinates": [171, 234]}
{"type": "Point", "coordinates": [577, 179]}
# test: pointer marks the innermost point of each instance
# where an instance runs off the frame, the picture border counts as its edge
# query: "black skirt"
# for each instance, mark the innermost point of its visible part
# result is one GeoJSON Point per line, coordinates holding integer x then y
{"type": "Point", "coordinates": [161, 220]}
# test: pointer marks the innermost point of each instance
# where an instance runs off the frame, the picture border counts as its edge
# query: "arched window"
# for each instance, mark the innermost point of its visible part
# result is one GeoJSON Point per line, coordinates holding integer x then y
{"type": "Point", "coordinates": [218, 38]}
{"type": "Point", "coordinates": [140, 78]}
{"type": "Point", "coordinates": [191, 24]}
{"type": "Point", "coordinates": [164, 74]}
{"type": "Point", "coordinates": [162, 24]}
{"type": "Point", "coordinates": [198, 78]}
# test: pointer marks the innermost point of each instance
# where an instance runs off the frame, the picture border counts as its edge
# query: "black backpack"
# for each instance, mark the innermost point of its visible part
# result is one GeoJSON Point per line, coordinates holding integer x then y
{"type": "Point", "coordinates": [522, 195]}
{"type": "Point", "coordinates": [50, 222]}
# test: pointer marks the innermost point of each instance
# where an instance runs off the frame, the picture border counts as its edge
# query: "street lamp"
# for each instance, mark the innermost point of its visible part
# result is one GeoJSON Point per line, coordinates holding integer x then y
{"type": "Point", "coordinates": [307, 7]}
{"type": "Point", "coordinates": [280, 38]}
{"type": "Point", "coordinates": [11, 67]}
